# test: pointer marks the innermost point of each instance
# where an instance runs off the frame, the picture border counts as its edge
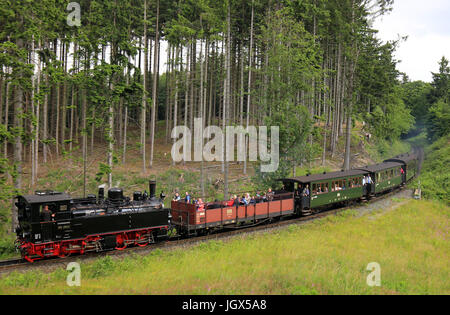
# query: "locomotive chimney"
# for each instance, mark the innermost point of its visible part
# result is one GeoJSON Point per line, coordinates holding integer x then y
{"type": "Point", "coordinates": [152, 185]}
{"type": "Point", "coordinates": [101, 194]}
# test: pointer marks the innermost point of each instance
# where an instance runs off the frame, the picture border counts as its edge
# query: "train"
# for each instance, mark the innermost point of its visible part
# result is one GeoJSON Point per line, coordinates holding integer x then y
{"type": "Point", "coordinates": [53, 224]}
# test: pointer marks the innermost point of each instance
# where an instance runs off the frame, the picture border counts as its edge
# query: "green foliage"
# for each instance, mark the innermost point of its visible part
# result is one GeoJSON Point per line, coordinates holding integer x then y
{"type": "Point", "coordinates": [385, 149]}
{"type": "Point", "coordinates": [7, 248]}
{"type": "Point", "coordinates": [7, 190]}
{"type": "Point", "coordinates": [392, 119]}
{"type": "Point", "coordinates": [439, 118]}
{"type": "Point", "coordinates": [104, 170]}
{"type": "Point", "coordinates": [435, 175]}
{"type": "Point", "coordinates": [416, 97]}
{"type": "Point", "coordinates": [293, 60]}
{"type": "Point", "coordinates": [430, 102]}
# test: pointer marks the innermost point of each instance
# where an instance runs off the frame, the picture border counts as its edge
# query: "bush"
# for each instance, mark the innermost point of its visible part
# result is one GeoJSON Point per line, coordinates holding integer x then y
{"type": "Point", "coordinates": [435, 175]}
{"type": "Point", "coordinates": [7, 247]}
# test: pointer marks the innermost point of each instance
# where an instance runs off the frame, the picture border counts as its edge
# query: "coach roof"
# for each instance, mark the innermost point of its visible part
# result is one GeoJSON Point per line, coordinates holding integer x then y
{"type": "Point", "coordinates": [404, 158]}
{"type": "Point", "coordinates": [325, 176]}
{"type": "Point", "coordinates": [380, 167]}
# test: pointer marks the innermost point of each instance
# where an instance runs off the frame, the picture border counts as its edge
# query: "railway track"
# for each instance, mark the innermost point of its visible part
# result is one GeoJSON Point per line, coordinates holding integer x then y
{"type": "Point", "coordinates": [20, 265]}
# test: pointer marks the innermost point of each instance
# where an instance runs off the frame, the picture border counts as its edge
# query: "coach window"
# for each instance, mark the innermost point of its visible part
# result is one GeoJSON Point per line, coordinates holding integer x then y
{"type": "Point", "coordinates": [319, 189]}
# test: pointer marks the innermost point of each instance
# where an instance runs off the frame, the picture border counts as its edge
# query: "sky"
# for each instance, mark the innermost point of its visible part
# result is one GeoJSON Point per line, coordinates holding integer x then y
{"type": "Point", "coordinates": [427, 25]}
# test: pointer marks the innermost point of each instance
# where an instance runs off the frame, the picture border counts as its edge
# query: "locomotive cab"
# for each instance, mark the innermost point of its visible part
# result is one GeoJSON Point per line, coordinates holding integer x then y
{"type": "Point", "coordinates": [38, 213]}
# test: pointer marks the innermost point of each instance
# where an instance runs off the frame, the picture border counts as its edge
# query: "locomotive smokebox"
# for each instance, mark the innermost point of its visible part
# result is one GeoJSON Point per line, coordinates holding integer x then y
{"type": "Point", "coordinates": [115, 194]}
{"type": "Point", "coordinates": [152, 185]}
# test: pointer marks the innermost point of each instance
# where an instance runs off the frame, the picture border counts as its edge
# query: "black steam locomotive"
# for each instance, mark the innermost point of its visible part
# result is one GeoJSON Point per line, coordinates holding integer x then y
{"type": "Point", "coordinates": [53, 224]}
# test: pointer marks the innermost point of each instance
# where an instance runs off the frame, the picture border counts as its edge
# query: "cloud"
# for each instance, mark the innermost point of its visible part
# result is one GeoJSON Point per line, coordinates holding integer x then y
{"type": "Point", "coordinates": [428, 29]}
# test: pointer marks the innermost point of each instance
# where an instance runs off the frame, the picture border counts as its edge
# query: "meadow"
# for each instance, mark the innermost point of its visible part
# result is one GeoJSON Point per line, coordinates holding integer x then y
{"type": "Point", "coordinates": [328, 256]}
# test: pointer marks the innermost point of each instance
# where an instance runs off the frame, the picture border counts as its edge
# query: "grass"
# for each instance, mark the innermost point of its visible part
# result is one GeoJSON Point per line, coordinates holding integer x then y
{"type": "Point", "coordinates": [329, 256]}
{"type": "Point", "coordinates": [435, 175]}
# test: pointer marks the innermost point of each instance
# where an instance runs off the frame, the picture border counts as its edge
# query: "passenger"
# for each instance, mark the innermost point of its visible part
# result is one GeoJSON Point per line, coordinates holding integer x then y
{"type": "Point", "coordinates": [306, 191]}
{"type": "Point", "coordinates": [187, 199]}
{"type": "Point", "coordinates": [364, 181]}
{"type": "Point", "coordinates": [270, 194]}
{"type": "Point", "coordinates": [177, 197]}
{"type": "Point", "coordinates": [200, 205]}
{"type": "Point", "coordinates": [247, 199]}
{"type": "Point", "coordinates": [253, 201]}
{"type": "Point", "coordinates": [237, 202]}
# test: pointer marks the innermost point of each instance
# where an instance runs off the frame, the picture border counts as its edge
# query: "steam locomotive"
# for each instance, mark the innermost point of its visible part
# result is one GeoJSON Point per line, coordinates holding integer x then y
{"type": "Point", "coordinates": [53, 224]}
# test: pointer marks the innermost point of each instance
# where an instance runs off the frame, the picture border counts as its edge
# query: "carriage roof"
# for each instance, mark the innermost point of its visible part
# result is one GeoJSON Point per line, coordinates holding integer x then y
{"type": "Point", "coordinates": [381, 167]}
{"type": "Point", "coordinates": [324, 176]}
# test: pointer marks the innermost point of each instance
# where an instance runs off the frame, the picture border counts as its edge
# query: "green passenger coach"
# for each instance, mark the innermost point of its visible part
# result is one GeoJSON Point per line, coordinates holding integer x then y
{"type": "Point", "coordinates": [410, 163]}
{"type": "Point", "coordinates": [385, 176]}
{"type": "Point", "coordinates": [316, 191]}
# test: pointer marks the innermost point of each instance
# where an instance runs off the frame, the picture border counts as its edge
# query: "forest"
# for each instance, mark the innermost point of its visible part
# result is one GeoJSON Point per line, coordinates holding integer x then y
{"type": "Point", "coordinates": [312, 67]}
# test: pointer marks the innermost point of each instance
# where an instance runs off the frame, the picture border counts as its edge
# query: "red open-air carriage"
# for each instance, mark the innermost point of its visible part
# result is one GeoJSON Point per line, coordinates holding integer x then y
{"type": "Point", "coordinates": [191, 219]}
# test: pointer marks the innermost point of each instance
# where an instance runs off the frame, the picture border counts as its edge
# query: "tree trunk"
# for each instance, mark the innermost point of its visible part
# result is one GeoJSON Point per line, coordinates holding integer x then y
{"type": "Point", "coordinates": [228, 96]}
{"type": "Point", "coordinates": [6, 116]}
{"type": "Point", "coordinates": [249, 91]}
{"type": "Point", "coordinates": [155, 85]}
{"type": "Point", "coordinates": [175, 108]}
{"type": "Point", "coordinates": [18, 147]}
{"type": "Point", "coordinates": [144, 93]}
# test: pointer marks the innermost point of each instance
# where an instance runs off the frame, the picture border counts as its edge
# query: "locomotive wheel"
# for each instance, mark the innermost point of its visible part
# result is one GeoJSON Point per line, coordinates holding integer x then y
{"type": "Point", "coordinates": [63, 253]}
{"type": "Point", "coordinates": [121, 242]}
{"type": "Point", "coordinates": [143, 237]}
